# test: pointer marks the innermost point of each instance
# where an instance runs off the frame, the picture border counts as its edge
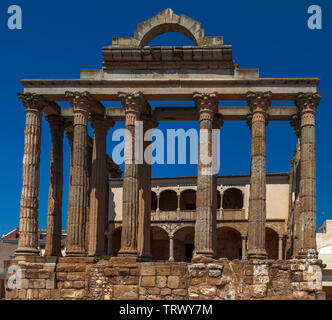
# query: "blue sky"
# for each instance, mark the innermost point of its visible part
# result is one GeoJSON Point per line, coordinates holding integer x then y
{"type": "Point", "coordinates": [60, 38]}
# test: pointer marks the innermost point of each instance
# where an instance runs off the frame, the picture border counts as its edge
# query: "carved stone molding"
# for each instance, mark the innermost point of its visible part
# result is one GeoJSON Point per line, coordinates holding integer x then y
{"type": "Point", "coordinates": [33, 101]}
{"type": "Point", "coordinates": [259, 103]}
{"type": "Point", "coordinates": [207, 104]}
{"type": "Point", "coordinates": [307, 102]}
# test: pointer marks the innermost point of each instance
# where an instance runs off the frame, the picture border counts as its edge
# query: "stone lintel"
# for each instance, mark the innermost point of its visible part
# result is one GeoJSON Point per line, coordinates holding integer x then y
{"type": "Point", "coordinates": [173, 88]}
{"type": "Point", "coordinates": [191, 114]}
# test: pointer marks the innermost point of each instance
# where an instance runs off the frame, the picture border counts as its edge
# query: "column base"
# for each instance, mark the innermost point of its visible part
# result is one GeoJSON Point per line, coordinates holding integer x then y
{"type": "Point", "coordinates": [256, 254]}
{"type": "Point", "coordinates": [203, 257]}
{"type": "Point", "coordinates": [171, 260]}
{"type": "Point", "coordinates": [125, 254]}
{"type": "Point", "coordinates": [27, 251]}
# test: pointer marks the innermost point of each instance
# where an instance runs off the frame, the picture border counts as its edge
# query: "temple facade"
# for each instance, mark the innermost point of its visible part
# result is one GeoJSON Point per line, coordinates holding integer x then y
{"type": "Point", "coordinates": [223, 237]}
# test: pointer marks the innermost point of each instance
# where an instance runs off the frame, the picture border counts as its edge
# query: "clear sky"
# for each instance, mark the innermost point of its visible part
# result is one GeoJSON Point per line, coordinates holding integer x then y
{"type": "Point", "coordinates": [61, 37]}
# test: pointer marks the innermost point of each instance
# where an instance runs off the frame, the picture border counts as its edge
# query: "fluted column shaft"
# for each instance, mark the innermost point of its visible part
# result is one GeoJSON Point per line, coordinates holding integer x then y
{"type": "Point", "coordinates": [258, 104]}
{"type": "Point", "coordinates": [144, 224]}
{"type": "Point", "coordinates": [133, 104]}
{"type": "Point", "coordinates": [28, 240]}
{"type": "Point", "coordinates": [307, 104]}
{"type": "Point", "coordinates": [78, 204]}
{"type": "Point", "coordinates": [206, 199]}
{"type": "Point", "coordinates": [54, 205]}
{"type": "Point", "coordinates": [296, 207]}
{"type": "Point", "coordinates": [98, 187]}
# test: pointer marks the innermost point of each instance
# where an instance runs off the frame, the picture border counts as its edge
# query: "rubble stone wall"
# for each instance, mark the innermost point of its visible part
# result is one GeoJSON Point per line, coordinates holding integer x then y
{"type": "Point", "coordinates": [87, 278]}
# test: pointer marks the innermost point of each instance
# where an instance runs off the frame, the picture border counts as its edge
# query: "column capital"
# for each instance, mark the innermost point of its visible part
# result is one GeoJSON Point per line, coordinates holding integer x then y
{"type": "Point", "coordinates": [32, 101]}
{"type": "Point", "coordinates": [259, 102]}
{"type": "Point", "coordinates": [133, 102]}
{"type": "Point", "coordinates": [207, 104]}
{"type": "Point", "coordinates": [307, 102]}
{"type": "Point", "coordinates": [80, 101]}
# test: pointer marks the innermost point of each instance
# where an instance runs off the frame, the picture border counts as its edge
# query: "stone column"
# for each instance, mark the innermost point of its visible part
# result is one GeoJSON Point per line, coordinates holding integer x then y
{"type": "Point", "coordinates": [178, 193]}
{"type": "Point", "coordinates": [158, 201]}
{"type": "Point", "coordinates": [28, 240]}
{"type": "Point", "coordinates": [280, 245]}
{"type": "Point", "coordinates": [307, 104]}
{"type": "Point", "coordinates": [205, 226]}
{"type": "Point", "coordinates": [98, 193]}
{"type": "Point", "coordinates": [78, 202]}
{"type": "Point", "coordinates": [144, 228]}
{"type": "Point", "coordinates": [296, 206]}
{"type": "Point", "coordinates": [89, 164]}
{"type": "Point", "coordinates": [244, 247]}
{"type": "Point", "coordinates": [259, 103]}
{"type": "Point", "coordinates": [54, 205]}
{"type": "Point", "coordinates": [133, 104]}
{"type": "Point", "coordinates": [171, 248]}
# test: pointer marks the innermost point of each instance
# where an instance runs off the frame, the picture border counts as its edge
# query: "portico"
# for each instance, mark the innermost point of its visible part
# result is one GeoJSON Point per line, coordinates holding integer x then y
{"type": "Point", "coordinates": [137, 75]}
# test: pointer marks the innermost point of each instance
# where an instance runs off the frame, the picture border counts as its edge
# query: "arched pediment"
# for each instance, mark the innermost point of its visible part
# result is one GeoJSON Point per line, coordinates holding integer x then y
{"type": "Point", "coordinates": [168, 21]}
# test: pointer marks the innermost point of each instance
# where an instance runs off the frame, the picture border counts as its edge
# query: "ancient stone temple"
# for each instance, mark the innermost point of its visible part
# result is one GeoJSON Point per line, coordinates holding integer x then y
{"type": "Point", "coordinates": [205, 237]}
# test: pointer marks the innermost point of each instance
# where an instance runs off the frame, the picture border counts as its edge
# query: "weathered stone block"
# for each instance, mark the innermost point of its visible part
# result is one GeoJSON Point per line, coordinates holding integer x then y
{"type": "Point", "coordinates": [125, 292]}
{"type": "Point", "coordinates": [37, 284]}
{"type": "Point", "coordinates": [22, 294]}
{"type": "Point", "coordinates": [44, 294]}
{"type": "Point", "coordinates": [123, 271]}
{"type": "Point", "coordinates": [208, 290]}
{"type": "Point", "coordinates": [161, 281]}
{"type": "Point", "coordinates": [148, 270]}
{"type": "Point", "coordinates": [173, 282]}
{"type": "Point", "coordinates": [148, 281]}
{"type": "Point", "coordinates": [50, 284]}
{"type": "Point", "coordinates": [55, 294]}
{"type": "Point", "coordinates": [76, 276]}
{"type": "Point", "coordinates": [153, 291]}
{"type": "Point", "coordinates": [259, 290]}
{"type": "Point", "coordinates": [29, 294]}
{"type": "Point", "coordinates": [72, 293]}
{"type": "Point", "coordinates": [163, 270]}
{"type": "Point", "coordinates": [180, 292]}
{"type": "Point", "coordinates": [78, 284]}
{"type": "Point", "coordinates": [165, 291]}
{"type": "Point", "coordinates": [127, 280]}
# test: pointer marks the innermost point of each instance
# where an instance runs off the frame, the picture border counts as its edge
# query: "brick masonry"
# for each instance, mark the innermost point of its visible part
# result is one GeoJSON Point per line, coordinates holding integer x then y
{"type": "Point", "coordinates": [88, 279]}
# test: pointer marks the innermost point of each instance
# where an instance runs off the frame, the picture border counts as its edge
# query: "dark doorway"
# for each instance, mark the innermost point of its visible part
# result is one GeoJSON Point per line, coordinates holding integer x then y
{"type": "Point", "coordinates": [189, 251]}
